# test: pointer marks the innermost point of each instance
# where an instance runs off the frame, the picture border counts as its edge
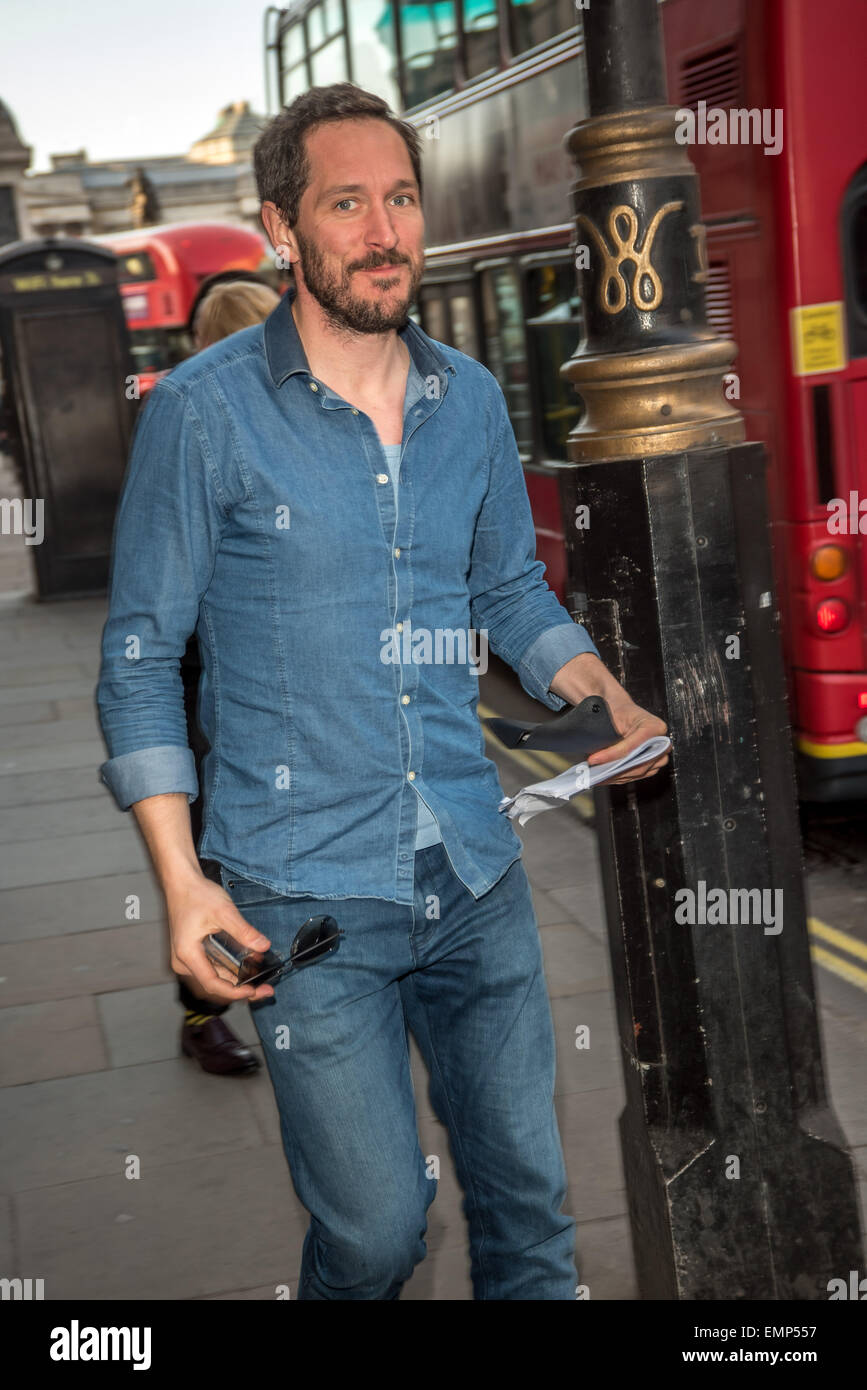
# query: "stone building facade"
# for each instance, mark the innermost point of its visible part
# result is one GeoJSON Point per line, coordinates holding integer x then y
{"type": "Point", "coordinates": [82, 197]}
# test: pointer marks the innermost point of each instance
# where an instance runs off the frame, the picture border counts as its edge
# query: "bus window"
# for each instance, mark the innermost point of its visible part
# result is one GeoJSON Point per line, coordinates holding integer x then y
{"type": "Point", "coordinates": [855, 255]}
{"type": "Point", "coordinates": [323, 22]}
{"type": "Point", "coordinates": [326, 43]}
{"type": "Point", "coordinates": [329, 64]}
{"type": "Point", "coordinates": [555, 327]}
{"type": "Point", "coordinates": [462, 313]}
{"type": "Point", "coordinates": [373, 49]}
{"type": "Point", "coordinates": [505, 345]}
{"type": "Point", "coordinates": [295, 83]}
{"type": "Point", "coordinates": [534, 21]}
{"type": "Point", "coordinates": [433, 310]}
{"type": "Point", "coordinates": [136, 268]}
{"type": "Point", "coordinates": [156, 350]}
{"type": "Point", "coordinates": [428, 40]}
{"type": "Point", "coordinates": [481, 36]}
{"type": "Point", "coordinates": [450, 316]}
{"type": "Point", "coordinates": [293, 62]}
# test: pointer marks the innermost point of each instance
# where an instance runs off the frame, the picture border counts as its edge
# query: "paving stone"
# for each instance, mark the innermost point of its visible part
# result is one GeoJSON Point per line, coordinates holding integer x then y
{"type": "Point", "coordinates": [843, 1050]}
{"type": "Point", "coordinates": [86, 963]}
{"type": "Point", "coordinates": [443, 1274]}
{"type": "Point", "coordinates": [60, 731]}
{"type": "Point", "coordinates": [31, 712]}
{"type": "Point", "coordinates": [574, 961]}
{"type": "Point", "coordinates": [68, 1130]}
{"type": "Point", "coordinates": [599, 1065]}
{"type": "Point", "coordinates": [7, 1248]}
{"type": "Point", "coordinates": [861, 1161]}
{"type": "Point", "coordinates": [265, 1294]}
{"type": "Point", "coordinates": [49, 819]}
{"type": "Point", "coordinates": [591, 1147]}
{"type": "Point", "coordinates": [184, 1230]}
{"type": "Point", "coordinates": [583, 903]}
{"type": "Point", "coordinates": [54, 690]}
{"type": "Point", "coordinates": [27, 655]}
{"type": "Point", "coordinates": [86, 904]}
{"type": "Point", "coordinates": [547, 911]}
{"type": "Point", "coordinates": [605, 1260]}
{"type": "Point", "coordinates": [560, 850]}
{"type": "Point", "coordinates": [64, 784]}
{"type": "Point", "coordinates": [59, 858]}
{"type": "Point", "coordinates": [144, 1024]}
{"type": "Point", "coordinates": [39, 674]}
{"type": "Point", "coordinates": [46, 1040]}
{"type": "Point", "coordinates": [36, 761]}
{"type": "Point", "coordinates": [214, 1215]}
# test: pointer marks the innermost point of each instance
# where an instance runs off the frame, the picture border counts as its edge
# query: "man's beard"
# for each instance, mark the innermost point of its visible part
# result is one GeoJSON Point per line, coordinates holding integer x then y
{"type": "Point", "coordinates": [345, 309]}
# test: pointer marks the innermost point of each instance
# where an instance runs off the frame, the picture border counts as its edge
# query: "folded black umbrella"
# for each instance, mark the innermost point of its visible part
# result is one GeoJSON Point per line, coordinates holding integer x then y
{"type": "Point", "coordinates": [579, 731]}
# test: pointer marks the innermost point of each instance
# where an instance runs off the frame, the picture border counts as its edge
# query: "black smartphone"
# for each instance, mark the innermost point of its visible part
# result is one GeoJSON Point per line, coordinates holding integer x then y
{"type": "Point", "coordinates": [245, 965]}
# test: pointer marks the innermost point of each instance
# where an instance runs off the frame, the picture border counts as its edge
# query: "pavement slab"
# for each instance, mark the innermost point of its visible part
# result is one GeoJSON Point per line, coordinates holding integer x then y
{"type": "Point", "coordinates": [58, 1038]}
{"type": "Point", "coordinates": [86, 963]}
{"type": "Point", "coordinates": [89, 1038]}
{"type": "Point", "coordinates": [51, 909]}
{"type": "Point", "coordinates": [74, 1128]}
{"type": "Point", "coordinates": [182, 1230]}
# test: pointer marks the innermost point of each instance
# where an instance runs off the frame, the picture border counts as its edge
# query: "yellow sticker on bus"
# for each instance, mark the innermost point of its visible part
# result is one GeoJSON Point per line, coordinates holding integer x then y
{"type": "Point", "coordinates": [818, 338]}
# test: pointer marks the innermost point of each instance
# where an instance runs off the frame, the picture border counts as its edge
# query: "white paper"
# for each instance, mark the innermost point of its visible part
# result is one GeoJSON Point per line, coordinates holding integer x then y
{"type": "Point", "coordinates": [545, 796]}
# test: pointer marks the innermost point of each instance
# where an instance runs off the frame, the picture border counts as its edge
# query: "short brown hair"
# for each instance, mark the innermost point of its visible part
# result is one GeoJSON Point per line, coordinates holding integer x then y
{"type": "Point", "coordinates": [230, 307]}
{"type": "Point", "coordinates": [280, 160]}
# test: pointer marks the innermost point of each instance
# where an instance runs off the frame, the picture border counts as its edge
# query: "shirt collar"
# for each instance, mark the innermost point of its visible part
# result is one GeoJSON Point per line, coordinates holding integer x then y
{"type": "Point", "coordinates": [285, 355]}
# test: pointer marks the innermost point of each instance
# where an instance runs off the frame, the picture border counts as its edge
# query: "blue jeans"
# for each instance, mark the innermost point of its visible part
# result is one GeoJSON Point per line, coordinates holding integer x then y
{"type": "Point", "coordinates": [466, 977]}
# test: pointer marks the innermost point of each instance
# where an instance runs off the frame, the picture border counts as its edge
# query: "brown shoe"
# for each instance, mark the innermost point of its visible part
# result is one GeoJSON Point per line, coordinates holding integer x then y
{"type": "Point", "coordinates": [216, 1049]}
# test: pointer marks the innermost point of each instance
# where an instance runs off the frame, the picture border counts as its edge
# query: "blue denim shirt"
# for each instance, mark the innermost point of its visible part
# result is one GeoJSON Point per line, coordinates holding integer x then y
{"type": "Point", "coordinates": [427, 832]}
{"type": "Point", "coordinates": [257, 511]}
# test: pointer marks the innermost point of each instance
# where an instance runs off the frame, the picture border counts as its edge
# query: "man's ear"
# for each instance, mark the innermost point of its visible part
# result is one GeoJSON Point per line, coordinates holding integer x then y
{"type": "Point", "coordinates": [276, 229]}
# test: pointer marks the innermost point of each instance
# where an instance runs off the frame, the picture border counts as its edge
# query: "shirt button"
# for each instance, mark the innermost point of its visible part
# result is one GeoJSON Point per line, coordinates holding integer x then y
{"type": "Point", "coordinates": [354, 411]}
{"type": "Point", "coordinates": [404, 700]}
{"type": "Point", "coordinates": [313, 386]}
{"type": "Point", "coordinates": [397, 552]}
{"type": "Point", "coordinates": [411, 776]}
{"type": "Point", "coordinates": [382, 477]}
{"type": "Point", "coordinates": [400, 627]}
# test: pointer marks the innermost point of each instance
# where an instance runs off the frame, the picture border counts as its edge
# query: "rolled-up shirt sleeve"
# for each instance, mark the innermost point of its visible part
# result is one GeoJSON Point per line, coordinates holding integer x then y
{"type": "Point", "coordinates": [167, 530]}
{"type": "Point", "coordinates": [510, 598]}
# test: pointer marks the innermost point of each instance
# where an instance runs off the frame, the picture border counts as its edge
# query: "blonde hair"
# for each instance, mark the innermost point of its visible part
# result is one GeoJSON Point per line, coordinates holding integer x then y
{"type": "Point", "coordinates": [231, 306]}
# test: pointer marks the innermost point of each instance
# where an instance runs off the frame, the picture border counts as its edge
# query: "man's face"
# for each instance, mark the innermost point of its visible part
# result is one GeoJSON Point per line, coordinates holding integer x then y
{"type": "Point", "coordinates": [360, 230]}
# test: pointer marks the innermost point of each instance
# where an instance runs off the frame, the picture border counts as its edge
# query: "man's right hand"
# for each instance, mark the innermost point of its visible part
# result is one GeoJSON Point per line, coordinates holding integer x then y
{"type": "Point", "coordinates": [197, 907]}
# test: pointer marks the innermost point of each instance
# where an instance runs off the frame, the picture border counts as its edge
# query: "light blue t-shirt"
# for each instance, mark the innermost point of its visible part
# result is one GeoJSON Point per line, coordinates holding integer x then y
{"type": "Point", "coordinates": [428, 831]}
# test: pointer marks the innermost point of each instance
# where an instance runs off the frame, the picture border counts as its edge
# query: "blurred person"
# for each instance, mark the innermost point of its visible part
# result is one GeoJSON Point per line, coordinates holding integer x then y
{"type": "Point", "coordinates": [300, 494]}
{"type": "Point", "coordinates": [228, 307]}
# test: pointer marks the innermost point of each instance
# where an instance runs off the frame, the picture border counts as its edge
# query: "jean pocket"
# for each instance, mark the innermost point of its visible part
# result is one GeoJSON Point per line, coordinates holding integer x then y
{"type": "Point", "coordinates": [246, 892]}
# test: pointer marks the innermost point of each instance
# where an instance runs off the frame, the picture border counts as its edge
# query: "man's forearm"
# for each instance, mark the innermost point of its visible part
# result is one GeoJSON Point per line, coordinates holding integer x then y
{"type": "Point", "coordinates": [166, 826]}
{"type": "Point", "coordinates": [586, 675]}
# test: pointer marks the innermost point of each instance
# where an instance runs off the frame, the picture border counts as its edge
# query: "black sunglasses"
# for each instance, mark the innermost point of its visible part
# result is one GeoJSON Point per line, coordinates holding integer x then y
{"type": "Point", "coordinates": [316, 938]}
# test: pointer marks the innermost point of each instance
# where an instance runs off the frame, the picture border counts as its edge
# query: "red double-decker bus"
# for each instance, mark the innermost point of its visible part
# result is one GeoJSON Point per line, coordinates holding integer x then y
{"type": "Point", "coordinates": [787, 243]}
{"type": "Point", "coordinates": [161, 268]}
{"type": "Point", "coordinates": [493, 86]}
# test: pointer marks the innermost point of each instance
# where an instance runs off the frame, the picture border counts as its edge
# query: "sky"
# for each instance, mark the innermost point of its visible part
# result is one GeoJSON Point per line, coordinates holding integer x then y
{"type": "Point", "coordinates": [125, 80]}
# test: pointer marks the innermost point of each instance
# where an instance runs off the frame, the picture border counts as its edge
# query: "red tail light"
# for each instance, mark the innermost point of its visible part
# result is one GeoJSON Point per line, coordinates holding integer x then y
{"type": "Point", "coordinates": [832, 615]}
